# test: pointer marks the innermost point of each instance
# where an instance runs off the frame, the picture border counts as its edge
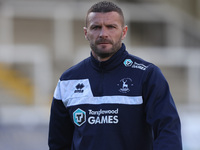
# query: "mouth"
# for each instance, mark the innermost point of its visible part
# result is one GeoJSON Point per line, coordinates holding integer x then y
{"type": "Point", "coordinates": [101, 42]}
{"type": "Point", "coordinates": [104, 44]}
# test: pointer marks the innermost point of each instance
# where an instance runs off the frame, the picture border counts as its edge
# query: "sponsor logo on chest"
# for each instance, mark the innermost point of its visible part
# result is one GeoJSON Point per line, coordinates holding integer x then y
{"type": "Point", "coordinates": [130, 63]}
{"type": "Point", "coordinates": [109, 116]}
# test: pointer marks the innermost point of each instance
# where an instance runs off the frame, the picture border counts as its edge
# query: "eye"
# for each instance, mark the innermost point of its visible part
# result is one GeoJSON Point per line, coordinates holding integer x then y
{"type": "Point", "coordinates": [95, 27]}
{"type": "Point", "coordinates": [111, 27]}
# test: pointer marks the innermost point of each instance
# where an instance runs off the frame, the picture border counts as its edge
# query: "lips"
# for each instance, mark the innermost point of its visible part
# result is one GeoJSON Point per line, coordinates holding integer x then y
{"type": "Point", "coordinates": [103, 41]}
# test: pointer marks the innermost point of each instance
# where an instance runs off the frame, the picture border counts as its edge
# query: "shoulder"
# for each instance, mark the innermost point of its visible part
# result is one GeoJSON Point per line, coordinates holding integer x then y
{"type": "Point", "coordinates": [76, 71]}
{"type": "Point", "coordinates": [138, 63]}
{"type": "Point", "coordinates": [149, 73]}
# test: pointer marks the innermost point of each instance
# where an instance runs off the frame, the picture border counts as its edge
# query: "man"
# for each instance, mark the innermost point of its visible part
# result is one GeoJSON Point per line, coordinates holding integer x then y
{"type": "Point", "coordinates": [112, 100]}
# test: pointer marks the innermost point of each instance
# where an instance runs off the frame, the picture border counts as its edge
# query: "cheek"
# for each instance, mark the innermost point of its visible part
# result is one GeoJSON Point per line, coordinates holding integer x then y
{"type": "Point", "coordinates": [117, 37]}
{"type": "Point", "coordinates": [91, 37]}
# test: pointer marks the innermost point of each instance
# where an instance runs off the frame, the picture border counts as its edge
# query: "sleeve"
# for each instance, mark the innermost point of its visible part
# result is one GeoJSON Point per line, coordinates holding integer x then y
{"type": "Point", "coordinates": [161, 112]}
{"type": "Point", "coordinates": [60, 125]}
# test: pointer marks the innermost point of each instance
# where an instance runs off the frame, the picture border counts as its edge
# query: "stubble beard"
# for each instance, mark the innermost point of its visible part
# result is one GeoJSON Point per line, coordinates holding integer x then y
{"type": "Point", "coordinates": [100, 52]}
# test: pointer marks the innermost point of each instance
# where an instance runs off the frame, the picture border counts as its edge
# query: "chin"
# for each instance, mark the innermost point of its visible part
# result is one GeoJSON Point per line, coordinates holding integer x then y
{"type": "Point", "coordinates": [104, 55]}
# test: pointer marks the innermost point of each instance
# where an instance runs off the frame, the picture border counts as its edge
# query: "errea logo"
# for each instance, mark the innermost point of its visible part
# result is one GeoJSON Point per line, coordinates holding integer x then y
{"type": "Point", "coordinates": [79, 117]}
{"type": "Point", "coordinates": [79, 88]}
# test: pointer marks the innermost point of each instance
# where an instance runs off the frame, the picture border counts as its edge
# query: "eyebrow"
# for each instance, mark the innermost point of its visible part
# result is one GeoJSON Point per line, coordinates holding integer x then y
{"type": "Point", "coordinates": [108, 24]}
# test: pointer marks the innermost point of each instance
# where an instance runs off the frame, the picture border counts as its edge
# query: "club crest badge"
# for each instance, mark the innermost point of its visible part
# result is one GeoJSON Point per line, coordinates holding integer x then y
{"type": "Point", "coordinates": [125, 85]}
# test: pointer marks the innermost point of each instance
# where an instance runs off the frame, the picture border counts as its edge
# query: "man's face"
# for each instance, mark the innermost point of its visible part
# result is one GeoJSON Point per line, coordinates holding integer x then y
{"type": "Point", "coordinates": [105, 32]}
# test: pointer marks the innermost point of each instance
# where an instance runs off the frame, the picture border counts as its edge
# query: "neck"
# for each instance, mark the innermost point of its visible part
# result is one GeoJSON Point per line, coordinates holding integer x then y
{"type": "Point", "coordinates": [99, 58]}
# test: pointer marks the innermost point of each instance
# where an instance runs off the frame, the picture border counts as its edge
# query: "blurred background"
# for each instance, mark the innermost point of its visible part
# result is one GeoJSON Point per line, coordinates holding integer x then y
{"type": "Point", "coordinates": [40, 39]}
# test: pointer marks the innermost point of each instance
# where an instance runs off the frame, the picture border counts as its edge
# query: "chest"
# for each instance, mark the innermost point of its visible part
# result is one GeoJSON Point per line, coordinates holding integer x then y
{"type": "Point", "coordinates": [116, 82]}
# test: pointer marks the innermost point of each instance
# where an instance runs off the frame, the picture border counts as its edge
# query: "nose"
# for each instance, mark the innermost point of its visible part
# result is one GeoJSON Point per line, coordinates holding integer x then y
{"type": "Point", "coordinates": [103, 33]}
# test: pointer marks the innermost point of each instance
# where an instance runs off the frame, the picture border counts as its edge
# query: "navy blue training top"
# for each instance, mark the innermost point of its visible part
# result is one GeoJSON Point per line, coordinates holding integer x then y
{"type": "Point", "coordinates": [123, 103]}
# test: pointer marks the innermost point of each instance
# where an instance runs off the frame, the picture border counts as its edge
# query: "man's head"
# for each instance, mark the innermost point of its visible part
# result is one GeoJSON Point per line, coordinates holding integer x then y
{"type": "Point", "coordinates": [105, 7]}
{"type": "Point", "coordinates": [105, 29]}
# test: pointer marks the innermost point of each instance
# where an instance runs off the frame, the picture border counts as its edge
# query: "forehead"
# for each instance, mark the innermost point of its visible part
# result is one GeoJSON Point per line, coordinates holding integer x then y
{"type": "Point", "coordinates": [107, 18]}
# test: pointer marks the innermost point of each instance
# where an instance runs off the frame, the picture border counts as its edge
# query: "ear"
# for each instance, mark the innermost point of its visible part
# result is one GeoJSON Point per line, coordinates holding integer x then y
{"type": "Point", "coordinates": [85, 32]}
{"type": "Point", "coordinates": [124, 32]}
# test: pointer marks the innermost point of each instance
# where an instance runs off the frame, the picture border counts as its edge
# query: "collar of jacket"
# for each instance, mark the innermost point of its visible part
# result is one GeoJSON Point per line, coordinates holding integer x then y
{"type": "Point", "coordinates": [113, 62]}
